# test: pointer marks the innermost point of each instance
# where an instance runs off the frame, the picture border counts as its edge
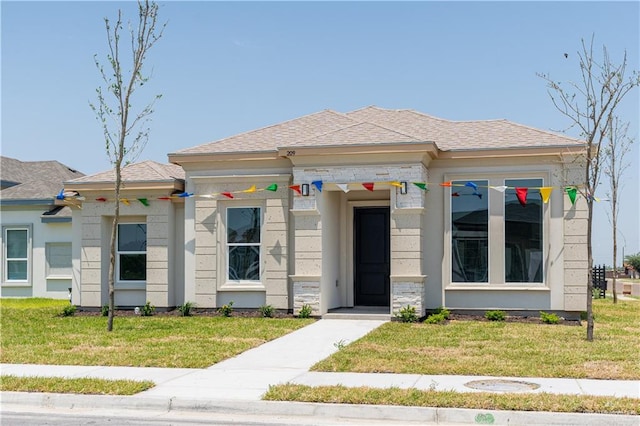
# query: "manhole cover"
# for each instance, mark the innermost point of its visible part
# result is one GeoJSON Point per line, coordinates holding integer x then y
{"type": "Point", "coordinates": [501, 385]}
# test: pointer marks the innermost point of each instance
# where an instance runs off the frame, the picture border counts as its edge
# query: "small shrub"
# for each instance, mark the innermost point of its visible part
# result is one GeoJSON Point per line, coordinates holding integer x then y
{"type": "Point", "coordinates": [147, 310]}
{"type": "Point", "coordinates": [185, 309]}
{"type": "Point", "coordinates": [444, 311]}
{"type": "Point", "coordinates": [407, 314]}
{"type": "Point", "coordinates": [227, 309]}
{"type": "Point", "coordinates": [340, 344]}
{"type": "Point", "coordinates": [105, 311]}
{"type": "Point", "coordinates": [549, 318]}
{"type": "Point", "coordinates": [305, 311]}
{"type": "Point", "coordinates": [69, 310]}
{"type": "Point", "coordinates": [266, 311]}
{"type": "Point", "coordinates": [438, 318]}
{"type": "Point", "coordinates": [495, 315]}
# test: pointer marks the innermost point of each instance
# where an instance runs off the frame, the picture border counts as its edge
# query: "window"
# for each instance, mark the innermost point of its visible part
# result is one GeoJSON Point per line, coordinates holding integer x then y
{"type": "Point", "coordinates": [470, 232]}
{"type": "Point", "coordinates": [243, 243]}
{"type": "Point", "coordinates": [132, 252]}
{"type": "Point", "coordinates": [58, 260]}
{"type": "Point", "coordinates": [16, 254]}
{"type": "Point", "coordinates": [523, 233]}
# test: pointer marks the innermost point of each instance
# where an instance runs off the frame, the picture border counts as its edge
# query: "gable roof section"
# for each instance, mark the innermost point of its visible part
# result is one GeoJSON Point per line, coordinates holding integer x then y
{"type": "Point", "coordinates": [32, 181]}
{"type": "Point", "coordinates": [146, 174]}
{"type": "Point", "coordinates": [376, 126]}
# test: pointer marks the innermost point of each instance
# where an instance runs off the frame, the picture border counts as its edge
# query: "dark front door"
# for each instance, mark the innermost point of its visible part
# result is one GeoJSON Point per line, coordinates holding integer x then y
{"type": "Point", "coordinates": [371, 257]}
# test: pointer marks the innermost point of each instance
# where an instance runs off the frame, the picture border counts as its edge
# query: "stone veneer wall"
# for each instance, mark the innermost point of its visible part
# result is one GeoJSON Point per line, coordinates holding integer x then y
{"type": "Point", "coordinates": [407, 278]}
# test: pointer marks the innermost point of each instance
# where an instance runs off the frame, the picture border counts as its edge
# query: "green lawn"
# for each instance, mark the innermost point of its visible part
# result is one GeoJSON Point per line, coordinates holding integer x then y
{"type": "Point", "coordinates": [502, 348]}
{"type": "Point", "coordinates": [84, 386]}
{"type": "Point", "coordinates": [33, 332]}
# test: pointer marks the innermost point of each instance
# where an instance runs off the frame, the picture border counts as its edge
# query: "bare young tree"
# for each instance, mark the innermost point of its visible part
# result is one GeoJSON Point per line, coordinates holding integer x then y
{"type": "Point", "coordinates": [617, 146]}
{"type": "Point", "coordinates": [590, 105]}
{"type": "Point", "coordinates": [126, 131]}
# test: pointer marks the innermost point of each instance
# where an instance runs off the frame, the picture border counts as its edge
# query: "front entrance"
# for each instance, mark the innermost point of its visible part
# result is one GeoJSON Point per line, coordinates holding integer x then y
{"type": "Point", "coordinates": [371, 256]}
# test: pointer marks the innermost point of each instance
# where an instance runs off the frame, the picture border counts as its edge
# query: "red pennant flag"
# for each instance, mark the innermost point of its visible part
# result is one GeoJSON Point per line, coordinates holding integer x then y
{"type": "Point", "coordinates": [521, 193]}
{"type": "Point", "coordinates": [448, 184]}
{"type": "Point", "coordinates": [101, 199]}
{"type": "Point", "coordinates": [368, 186]}
{"type": "Point", "coordinates": [296, 188]}
{"type": "Point", "coordinates": [227, 194]}
{"type": "Point", "coordinates": [164, 198]}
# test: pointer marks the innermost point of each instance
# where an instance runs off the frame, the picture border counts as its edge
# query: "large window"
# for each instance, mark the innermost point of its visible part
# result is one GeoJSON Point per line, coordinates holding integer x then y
{"type": "Point", "coordinates": [243, 243]}
{"type": "Point", "coordinates": [470, 232]}
{"type": "Point", "coordinates": [16, 254]}
{"type": "Point", "coordinates": [523, 232]}
{"type": "Point", "coordinates": [132, 252]}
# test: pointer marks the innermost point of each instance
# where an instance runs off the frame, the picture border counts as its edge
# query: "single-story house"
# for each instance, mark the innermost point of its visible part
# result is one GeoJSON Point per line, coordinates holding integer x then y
{"type": "Point", "coordinates": [36, 232]}
{"type": "Point", "coordinates": [373, 207]}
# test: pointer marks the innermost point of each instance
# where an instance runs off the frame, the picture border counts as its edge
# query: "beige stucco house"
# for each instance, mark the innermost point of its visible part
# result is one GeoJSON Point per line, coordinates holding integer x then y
{"type": "Point", "coordinates": [373, 207]}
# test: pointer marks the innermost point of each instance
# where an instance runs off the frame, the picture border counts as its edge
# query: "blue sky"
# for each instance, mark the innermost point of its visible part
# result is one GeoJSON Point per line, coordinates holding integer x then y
{"type": "Point", "coordinates": [230, 67]}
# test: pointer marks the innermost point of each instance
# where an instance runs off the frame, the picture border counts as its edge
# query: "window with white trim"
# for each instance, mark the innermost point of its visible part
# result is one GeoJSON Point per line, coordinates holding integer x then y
{"type": "Point", "coordinates": [523, 232]}
{"type": "Point", "coordinates": [470, 233]}
{"type": "Point", "coordinates": [131, 253]}
{"type": "Point", "coordinates": [17, 247]}
{"type": "Point", "coordinates": [243, 240]}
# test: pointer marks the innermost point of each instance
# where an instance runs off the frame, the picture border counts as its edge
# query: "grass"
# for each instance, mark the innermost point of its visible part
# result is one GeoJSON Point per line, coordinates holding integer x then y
{"type": "Point", "coordinates": [449, 399]}
{"type": "Point", "coordinates": [501, 348]}
{"type": "Point", "coordinates": [33, 332]}
{"type": "Point", "coordinates": [83, 386]}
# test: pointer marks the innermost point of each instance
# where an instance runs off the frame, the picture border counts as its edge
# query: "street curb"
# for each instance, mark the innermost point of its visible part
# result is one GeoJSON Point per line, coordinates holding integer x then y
{"type": "Point", "coordinates": [345, 411]}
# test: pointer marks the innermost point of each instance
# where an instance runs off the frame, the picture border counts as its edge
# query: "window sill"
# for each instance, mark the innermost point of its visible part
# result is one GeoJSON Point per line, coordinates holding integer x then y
{"type": "Point", "coordinates": [130, 286]}
{"type": "Point", "coordinates": [242, 286]}
{"type": "Point", "coordinates": [498, 287]}
{"type": "Point", "coordinates": [59, 277]}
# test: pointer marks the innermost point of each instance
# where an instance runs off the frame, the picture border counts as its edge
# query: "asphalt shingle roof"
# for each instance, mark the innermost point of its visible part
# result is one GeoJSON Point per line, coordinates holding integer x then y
{"type": "Point", "coordinates": [145, 171]}
{"type": "Point", "coordinates": [33, 180]}
{"type": "Point", "coordinates": [373, 125]}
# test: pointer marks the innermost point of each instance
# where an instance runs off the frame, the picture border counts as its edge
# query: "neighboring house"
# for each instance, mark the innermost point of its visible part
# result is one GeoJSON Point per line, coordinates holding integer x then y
{"type": "Point", "coordinates": [373, 207]}
{"type": "Point", "coordinates": [36, 232]}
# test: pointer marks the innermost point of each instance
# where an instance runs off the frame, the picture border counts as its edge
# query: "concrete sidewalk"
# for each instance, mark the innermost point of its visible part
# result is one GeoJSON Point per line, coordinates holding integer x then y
{"type": "Point", "coordinates": [246, 377]}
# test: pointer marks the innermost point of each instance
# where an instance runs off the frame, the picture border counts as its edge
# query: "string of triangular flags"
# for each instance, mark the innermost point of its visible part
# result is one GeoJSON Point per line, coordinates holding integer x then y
{"type": "Point", "coordinates": [521, 192]}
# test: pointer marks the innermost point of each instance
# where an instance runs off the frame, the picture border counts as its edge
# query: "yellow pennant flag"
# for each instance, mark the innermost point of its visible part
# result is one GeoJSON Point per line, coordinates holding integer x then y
{"type": "Point", "coordinates": [252, 189]}
{"type": "Point", "coordinates": [125, 201]}
{"type": "Point", "coordinates": [545, 193]}
{"type": "Point", "coordinates": [396, 183]}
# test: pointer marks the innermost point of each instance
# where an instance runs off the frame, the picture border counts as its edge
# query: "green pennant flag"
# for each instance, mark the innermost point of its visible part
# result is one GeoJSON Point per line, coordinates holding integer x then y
{"type": "Point", "coordinates": [144, 201]}
{"type": "Point", "coordinates": [421, 185]}
{"type": "Point", "coordinates": [272, 187]}
{"type": "Point", "coordinates": [571, 192]}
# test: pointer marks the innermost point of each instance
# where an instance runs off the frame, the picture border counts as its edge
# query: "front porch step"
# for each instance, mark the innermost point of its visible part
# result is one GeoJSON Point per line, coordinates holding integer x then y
{"type": "Point", "coordinates": [357, 316]}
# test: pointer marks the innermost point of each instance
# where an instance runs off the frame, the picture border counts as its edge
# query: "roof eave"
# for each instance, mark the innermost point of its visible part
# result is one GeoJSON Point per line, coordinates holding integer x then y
{"type": "Point", "coordinates": [381, 148]}
{"type": "Point", "coordinates": [528, 151]}
{"type": "Point", "coordinates": [183, 158]}
{"type": "Point", "coordinates": [169, 184]}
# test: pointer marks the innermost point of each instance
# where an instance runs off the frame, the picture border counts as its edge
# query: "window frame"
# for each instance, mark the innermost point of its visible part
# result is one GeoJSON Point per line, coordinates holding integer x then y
{"type": "Point", "coordinates": [496, 240]}
{"type": "Point", "coordinates": [6, 259]}
{"type": "Point", "coordinates": [543, 236]}
{"type": "Point", "coordinates": [119, 252]}
{"type": "Point", "coordinates": [488, 260]}
{"type": "Point", "coordinates": [240, 284]}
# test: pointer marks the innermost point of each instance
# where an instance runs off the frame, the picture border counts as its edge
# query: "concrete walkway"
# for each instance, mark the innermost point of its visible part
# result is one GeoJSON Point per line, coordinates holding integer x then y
{"type": "Point", "coordinates": [246, 377]}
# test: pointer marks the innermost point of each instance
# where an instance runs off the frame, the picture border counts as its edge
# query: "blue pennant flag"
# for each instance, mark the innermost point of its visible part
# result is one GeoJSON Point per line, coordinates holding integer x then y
{"type": "Point", "coordinates": [60, 195]}
{"type": "Point", "coordinates": [317, 184]}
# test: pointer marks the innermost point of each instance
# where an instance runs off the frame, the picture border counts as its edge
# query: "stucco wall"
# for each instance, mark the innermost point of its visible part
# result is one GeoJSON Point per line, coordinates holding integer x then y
{"type": "Point", "coordinates": [39, 283]}
{"type": "Point", "coordinates": [95, 221]}
{"type": "Point", "coordinates": [206, 247]}
{"type": "Point", "coordinates": [565, 259]}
